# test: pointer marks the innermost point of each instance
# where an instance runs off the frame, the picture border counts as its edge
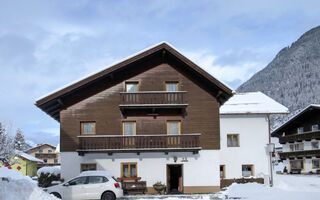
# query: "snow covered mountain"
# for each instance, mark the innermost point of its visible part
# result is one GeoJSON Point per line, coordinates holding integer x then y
{"type": "Point", "coordinates": [292, 77]}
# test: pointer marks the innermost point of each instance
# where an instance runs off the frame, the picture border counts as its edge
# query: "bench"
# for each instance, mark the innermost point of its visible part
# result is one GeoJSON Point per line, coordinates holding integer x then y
{"type": "Point", "coordinates": [134, 187]}
{"type": "Point", "coordinates": [295, 171]}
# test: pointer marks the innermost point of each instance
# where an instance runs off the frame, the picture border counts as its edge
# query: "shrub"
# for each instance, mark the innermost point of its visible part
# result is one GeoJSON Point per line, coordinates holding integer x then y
{"type": "Point", "coordinates": [46, 175]}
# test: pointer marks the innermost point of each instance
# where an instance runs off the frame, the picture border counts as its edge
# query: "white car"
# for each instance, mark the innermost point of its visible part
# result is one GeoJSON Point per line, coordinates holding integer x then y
{"type": "Point", "coordinates": [88, 185]}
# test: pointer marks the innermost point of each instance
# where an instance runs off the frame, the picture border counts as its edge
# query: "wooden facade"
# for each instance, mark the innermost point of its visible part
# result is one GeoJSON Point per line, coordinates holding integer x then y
{"type": "Point", "coordinates": [102, 99]}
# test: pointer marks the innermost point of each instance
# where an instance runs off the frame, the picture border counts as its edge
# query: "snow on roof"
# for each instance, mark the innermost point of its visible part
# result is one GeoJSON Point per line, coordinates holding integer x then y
{"type": "Point", "coordinates": [58, 148]}
{"type": "Point", "coordinates": [117, 62]}
{"type": "Point", "coordinates": [252, 103]}
{"type": "Point", "coordinates": [96, 173]}
{"type": "Point", "coordinates": [28, 157]}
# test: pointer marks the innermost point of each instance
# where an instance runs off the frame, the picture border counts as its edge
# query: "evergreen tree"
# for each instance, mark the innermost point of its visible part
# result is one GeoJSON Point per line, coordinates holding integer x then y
{"type": "Point", "coordinates": [19, 141]}
{"type": "Point", "coordinates": [7, 150]}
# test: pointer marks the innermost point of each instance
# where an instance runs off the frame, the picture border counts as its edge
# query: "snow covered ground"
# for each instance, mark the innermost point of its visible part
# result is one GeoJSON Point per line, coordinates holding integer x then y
{"type": "Point", "coordinates": [286, 187]}
{"type": "Point", "coordinates": [16, 186]}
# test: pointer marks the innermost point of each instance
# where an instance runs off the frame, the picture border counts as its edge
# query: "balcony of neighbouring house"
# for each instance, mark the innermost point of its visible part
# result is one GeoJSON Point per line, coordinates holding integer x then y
{"type": "Point", "coordinates": [306, 136]}
{"type": "Point", "coordinates": [152, 100]}
{"type": "Point", "coordinates": [304, 153]}
{"type": "Point", "coordinates": [45, 155]}
{"type": "Point", "coordinates": [139, 143]}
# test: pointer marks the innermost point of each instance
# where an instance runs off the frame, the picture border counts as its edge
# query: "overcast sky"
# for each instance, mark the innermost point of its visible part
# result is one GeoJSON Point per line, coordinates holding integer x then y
{"type": "Point", "coordinates": [47, 44]}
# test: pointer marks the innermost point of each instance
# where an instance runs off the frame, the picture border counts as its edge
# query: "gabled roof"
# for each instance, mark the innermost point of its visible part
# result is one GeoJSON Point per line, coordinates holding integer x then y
{"type": "Point", "coordinates": [52, 103]}
{"type": "Point", "coordinates": [40, 145]}
{"type": "Point", "coordinates": [252, 103]}
{"type": "Point", "coordinates": [285, 124]}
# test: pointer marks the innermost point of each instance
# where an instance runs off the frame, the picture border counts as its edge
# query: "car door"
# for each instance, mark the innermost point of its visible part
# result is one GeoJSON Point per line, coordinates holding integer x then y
{"type": "Point", "coordinates": [75, 189]}
{"type": "Point", "coordinates": [96, 186]}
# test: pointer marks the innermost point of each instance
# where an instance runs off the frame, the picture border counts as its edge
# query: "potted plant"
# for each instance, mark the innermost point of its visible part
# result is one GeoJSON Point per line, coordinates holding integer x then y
{"type": "Point", "coordinates": [285, 170]}
{"type": "Point", "coordinates": [159, 187]}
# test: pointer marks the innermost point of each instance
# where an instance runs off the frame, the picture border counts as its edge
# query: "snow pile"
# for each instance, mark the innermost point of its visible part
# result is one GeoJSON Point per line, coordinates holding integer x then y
{"type": "Point", "coordinates": [252, 102]}
{"type": "Point", "coordinates": [286, 187]}
{"type": "Point", "coordinates": [20, 187]}
{"type": "Point", "coordinates": [56, 170]}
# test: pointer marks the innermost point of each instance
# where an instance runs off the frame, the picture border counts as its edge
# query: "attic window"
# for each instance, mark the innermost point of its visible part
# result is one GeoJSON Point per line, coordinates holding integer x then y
{"type": "Point", "coordinates": [300, 130]}
{"type": "Point", "coordinates": [315, 127]}
{"type": "Point", "coordinates": [88, 128]}
{"type": "Point", "coordinates": [132, 87]}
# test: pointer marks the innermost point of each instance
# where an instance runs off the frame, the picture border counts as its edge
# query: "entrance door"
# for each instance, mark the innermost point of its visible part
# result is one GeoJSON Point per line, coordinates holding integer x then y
{"type": "Point", "coordinates": [175, 179]}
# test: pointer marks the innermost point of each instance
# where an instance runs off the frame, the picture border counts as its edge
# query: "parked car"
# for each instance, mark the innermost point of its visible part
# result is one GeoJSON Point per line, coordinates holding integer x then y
{"type": "Point", "coordinates": [88, 185]}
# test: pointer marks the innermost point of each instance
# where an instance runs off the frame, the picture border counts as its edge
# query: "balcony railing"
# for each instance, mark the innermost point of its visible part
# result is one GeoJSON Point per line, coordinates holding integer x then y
{"type": "Point", "coordinates": [300, 137]}
{"type": "Point", "coordinates": [45, 155]}
{"type": "Point", "coordinates": [139, 143]}
{"type": "Point", "coordinates": [305, 153]}
{"type": "Point", "coordinates": [152, 98]}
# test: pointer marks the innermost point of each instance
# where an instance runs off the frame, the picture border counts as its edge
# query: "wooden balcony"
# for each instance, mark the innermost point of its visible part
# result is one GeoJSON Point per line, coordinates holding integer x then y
{"type": "Point", "coordinates": [45, 155]}
{"type": "Point", "coordinates": [307, 136]}
{"type": "Point", "coordinates": [305, 153]}
{"type": "Point", "coordinates": [153, 99]}
{"type": "Point", "coordinates": [139, 143]}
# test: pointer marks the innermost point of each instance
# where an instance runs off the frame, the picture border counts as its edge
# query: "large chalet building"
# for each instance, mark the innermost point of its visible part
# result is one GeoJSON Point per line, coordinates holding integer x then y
{"type": "Point", "coordinates": [45, 152]}
{"type": "Point", "coordinates": [300, 139]}
{"type": "Point", "coordinates": [152, 117]}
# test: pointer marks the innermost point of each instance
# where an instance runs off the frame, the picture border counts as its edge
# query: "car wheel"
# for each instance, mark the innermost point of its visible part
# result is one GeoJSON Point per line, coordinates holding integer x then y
{"type": "Point", "coordinates": [108, 196]}
{"type": "Point", "coordinates": [56, 195]}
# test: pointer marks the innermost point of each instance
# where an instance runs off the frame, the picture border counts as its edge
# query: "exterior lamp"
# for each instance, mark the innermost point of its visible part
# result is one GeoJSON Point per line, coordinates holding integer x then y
{"type": "Point", "coordinates": [175, 159]}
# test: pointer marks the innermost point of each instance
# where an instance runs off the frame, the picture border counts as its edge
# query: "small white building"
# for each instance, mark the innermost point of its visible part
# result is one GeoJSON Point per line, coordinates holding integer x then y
{"type": "Point", "coordinates": [245, 133]}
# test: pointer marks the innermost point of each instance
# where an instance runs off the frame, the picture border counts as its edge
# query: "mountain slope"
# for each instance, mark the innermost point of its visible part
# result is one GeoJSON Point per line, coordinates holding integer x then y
{"type": "Point", "coordinates": [292, 77]}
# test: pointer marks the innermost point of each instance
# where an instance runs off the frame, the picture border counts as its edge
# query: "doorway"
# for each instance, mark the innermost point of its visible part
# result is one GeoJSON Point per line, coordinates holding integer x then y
{"type": "Point", "coordinates": [175, 179]}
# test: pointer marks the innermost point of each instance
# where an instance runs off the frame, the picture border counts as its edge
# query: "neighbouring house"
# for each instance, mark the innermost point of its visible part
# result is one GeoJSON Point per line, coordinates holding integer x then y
{"type": "Point", "coordinates": [300, 137]}
{"type": "Point", "coordinates": [25, 164]}
{"type": "Point", "coordinates": [152, 117]}
{"type": "Point", "coordinates": [244, 135]}
{"type": "Point", "coordinates": [48, 153]}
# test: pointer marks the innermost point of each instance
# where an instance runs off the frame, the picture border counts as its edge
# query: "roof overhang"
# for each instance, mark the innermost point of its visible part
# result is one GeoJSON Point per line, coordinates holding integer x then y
{"type": "Point", "coordinates": [163, 52]}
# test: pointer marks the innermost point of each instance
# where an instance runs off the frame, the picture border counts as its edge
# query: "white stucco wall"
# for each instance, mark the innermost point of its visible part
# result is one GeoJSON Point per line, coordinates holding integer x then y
{"type": "Point", "coordinates": [201, 169]}
{"type": "Point", "coordinates": [253, 139]}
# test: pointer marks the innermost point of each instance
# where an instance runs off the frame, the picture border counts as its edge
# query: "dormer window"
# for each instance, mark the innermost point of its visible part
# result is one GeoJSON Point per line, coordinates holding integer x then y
{"type": "Point", "coordinates": [300, 130]}
{"type": "Point", "coordinates": [315, 127]}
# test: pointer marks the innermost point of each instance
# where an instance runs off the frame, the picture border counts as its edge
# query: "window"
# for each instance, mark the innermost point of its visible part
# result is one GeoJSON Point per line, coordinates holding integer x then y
{"type": "Point", "coordinates": [78, 181]}
{"type": "Point", "coordinates": [129, 169]}
{"type": "Point", "coordinates": [222, 171]}
{"type": "Point", "coordinates": [173, 127]}
{"type": "Point", "coordinates": [233, 140]}
{"type": "Point", "coordinates": [316, 163]}
{"type": "Point", "coordinates": [129, 128]}
{"type": "Point", "coordinates": [296, 164]}
{"type": "Point", "coordinates": [300, 130]}
{"type": "Point", "coordinates": [132, 87]}
{"type": "Point", "coordinates": [45, 160]}
{"type": "Point", "coordinates": [315, 127]}
{"type": "Point", "coordinates": [315, 145]}
{"type": "Point", "coordinates": [55, 160]}
{"type": "Point", "coordinates": [172, 87]}
{"type": "Point", "coordinates": [40, 151]}
{"type": "Point", "coordinates": [296, 147]}
{"type": "Point", "coordinates": [88, 128]}
{"type": "Point", "coordinates": [49, 151]}
{"type": "Point", "coordinates": [247, 170]}
{"type": "Point", "coordinates": [88, 167]}
{"type": "Point", "coordinates": [97, 179]}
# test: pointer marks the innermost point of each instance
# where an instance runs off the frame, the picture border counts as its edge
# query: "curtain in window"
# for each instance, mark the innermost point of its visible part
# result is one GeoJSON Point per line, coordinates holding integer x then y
{"type": "Point", "coordinates": [125, 170]}
{"type": "Point", "coordinates": [172, 87]}
{"type": "Point", "coordinates": [173, 128]}
{"type": "Point", "coordinates": [131, 87]}
{"type": "Point", "coordinates": [315, 145]}
{"type": "Point", "coordinates": [133, 171]}
{"type": "Point", "coordinates": [88, 128]}
{"type": "Point", "coordinates": [128, 128]}
{"type": "Point", "coordinates": [246, 171]}
{"type": "Point", "coordinates": [229, 141]}
{"type": "Point", "coordinates": [316, 163]}
{"type": "Point", "coordinates": [235, 141]}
